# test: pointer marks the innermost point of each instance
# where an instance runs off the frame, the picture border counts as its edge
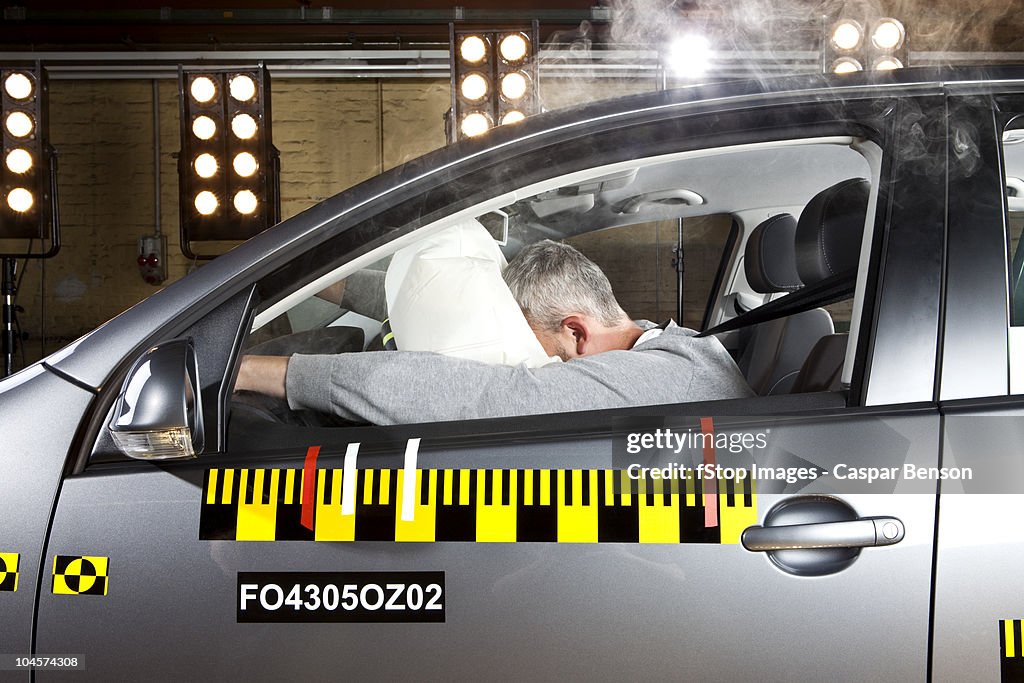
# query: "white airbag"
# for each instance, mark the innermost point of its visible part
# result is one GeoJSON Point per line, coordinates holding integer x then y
{"type": "Point", "coordinates": [445, 294]}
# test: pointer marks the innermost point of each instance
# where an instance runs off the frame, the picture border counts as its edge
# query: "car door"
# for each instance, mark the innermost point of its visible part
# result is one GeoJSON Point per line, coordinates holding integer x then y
{"type": "Point", "coordinates": [511, 548]}
{"type": "Point", "coordinates": [979, 595]}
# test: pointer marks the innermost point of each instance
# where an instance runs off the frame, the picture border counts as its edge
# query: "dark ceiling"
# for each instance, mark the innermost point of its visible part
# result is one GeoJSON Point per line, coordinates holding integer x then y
{"type": "Point", "coordinates": [961, 25]}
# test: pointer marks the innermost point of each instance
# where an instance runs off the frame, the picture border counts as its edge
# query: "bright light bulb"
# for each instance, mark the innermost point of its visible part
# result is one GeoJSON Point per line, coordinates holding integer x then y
{"type": "Point", "coordinates": [206, 202]}
{"type": "Point", "coordinates": [474, 87]}
{"type": "Point", "coordinates": [245, 202]}
{"type": "Point", "coordinates": [473, 49]}
{"type": "Point", "coordinates": [19, 124]}
{"type": "Point", "coordinates": [689, 56]}
{"type": "Point", "coordinates": [205, 165]}
{"type": "Point", "coordinates": [203, 90]}
{"type": "Point", "coordinates": [242, 88]}
{"type": "Point", "coordinates": [475, 124]}
{"type": "Point", "coordinates": [204, 127]}
{"type": "Point", "coordinates": [18, 86]}
{"type": "Point", "coordinates": [846, 66]}
{"type": "Point", "coordinates": [513, 85]}
{"type": "Point", "coordinates": [513, 116]}
{"type": "Point", "coordinates": [20, 200]}
{"type": "Point", "coordinates": [513, 47]}
{"type": "Point", "coordinates": [888, 64]}
{"type": "Point", "coordinates": [245, 164]}
{"type": "Point", "coordinates": [846, 35]}
{"type": "Point", "coordinates": [888, 34]}
{"type": "Point", "coordinates": [18, 161]}
{"type": "Point", "coordinates": [243, 126]}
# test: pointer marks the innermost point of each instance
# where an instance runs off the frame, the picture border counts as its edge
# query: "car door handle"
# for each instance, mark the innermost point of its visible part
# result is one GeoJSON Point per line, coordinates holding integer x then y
{"type": "Point", "coordinates": [857, 533]}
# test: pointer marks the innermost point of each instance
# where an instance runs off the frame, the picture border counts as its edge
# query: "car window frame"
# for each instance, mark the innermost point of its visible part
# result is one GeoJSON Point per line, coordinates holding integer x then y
{"type": "Point", "coordinates": [364, 230]}
{"type": "Point", "coordinates": [483, 427]}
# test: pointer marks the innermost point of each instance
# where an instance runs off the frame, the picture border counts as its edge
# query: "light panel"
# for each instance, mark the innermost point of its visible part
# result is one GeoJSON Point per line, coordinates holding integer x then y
{"type": "Point", "coordinates": [228, 170]}
{"type": "Point", "coordinates": [25, 175]}
{"type": "Point", "coordinates": [494, 79]}
{"type": "Point", "coordinates": [855, 43]}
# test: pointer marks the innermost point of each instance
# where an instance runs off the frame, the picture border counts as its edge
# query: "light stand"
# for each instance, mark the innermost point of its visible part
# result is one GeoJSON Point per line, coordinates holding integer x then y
{"type": "Point", "coordinates": [8, 288]}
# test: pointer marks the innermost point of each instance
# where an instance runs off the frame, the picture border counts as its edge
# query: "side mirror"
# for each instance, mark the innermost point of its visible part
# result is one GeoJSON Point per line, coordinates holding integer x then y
{"type": "Point", "coordinates": [158, 414]}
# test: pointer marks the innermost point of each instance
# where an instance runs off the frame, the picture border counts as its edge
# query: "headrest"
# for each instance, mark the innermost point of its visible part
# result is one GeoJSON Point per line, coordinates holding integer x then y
{"type": "Point", "coordinates": [829, 232]}
{"type": "Point", "coordinates": [770, 256]}
{"type": "Point", "coordinates": [445, 294]}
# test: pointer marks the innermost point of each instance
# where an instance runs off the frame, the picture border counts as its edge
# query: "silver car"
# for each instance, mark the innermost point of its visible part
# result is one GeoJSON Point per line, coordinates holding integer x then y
{"type": "Point", "coordinates": [858, 519]}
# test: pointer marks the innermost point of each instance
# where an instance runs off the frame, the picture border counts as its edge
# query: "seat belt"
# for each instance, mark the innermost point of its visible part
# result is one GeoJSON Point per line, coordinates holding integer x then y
{"type": "Point", "coordinates": [823, 293]}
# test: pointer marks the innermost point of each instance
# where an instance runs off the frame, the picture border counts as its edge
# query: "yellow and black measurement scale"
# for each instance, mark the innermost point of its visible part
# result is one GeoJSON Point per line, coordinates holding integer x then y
{"type": "Point", "coordinates": [1012, 647]}
{"type": "Point", "coordinates": [503, 506]}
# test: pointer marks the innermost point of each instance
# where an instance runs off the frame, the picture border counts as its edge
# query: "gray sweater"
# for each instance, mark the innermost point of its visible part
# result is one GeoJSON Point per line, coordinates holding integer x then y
{"type": "Point", "coordinates": [400, 387]}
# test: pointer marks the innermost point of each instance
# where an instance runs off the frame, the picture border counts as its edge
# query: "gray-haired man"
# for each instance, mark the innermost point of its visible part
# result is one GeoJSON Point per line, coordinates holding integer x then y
{"type": "Point", "coordinates": [612, 361]}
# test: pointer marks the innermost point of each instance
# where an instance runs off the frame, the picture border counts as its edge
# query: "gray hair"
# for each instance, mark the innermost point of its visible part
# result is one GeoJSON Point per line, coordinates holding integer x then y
{"type": "Point", "coordinates": [551, 281]}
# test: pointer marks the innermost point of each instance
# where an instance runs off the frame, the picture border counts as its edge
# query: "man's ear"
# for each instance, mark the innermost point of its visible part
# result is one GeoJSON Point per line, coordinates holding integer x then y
{"type": "Point", "coordinates": [581, 332]}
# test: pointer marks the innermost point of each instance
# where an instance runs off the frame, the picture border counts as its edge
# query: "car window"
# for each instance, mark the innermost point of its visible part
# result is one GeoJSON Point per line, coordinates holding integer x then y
{"type": "Point", "coordinates": [627, 220]}
{"type": "Point", "coordinates": [1013, 160]}
{"type": "Point", "coordinates": [644, 265]}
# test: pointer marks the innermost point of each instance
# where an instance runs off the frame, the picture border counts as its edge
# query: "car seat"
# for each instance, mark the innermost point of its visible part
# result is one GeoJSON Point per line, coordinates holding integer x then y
{"type": "Point", "coordinates": [776, 349]}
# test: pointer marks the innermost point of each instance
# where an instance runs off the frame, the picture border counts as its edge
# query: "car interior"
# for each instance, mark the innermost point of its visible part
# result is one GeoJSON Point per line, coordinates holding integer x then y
{"type": "Point", "coordinates": [785, 298]}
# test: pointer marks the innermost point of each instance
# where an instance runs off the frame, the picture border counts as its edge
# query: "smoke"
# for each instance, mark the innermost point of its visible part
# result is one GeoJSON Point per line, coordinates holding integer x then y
{"type": "Point", "coordinates": [759, 39]}
{"type": "Point", "coordinates": [961, 25]}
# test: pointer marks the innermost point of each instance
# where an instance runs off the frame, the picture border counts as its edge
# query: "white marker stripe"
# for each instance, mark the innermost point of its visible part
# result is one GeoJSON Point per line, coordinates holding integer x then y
{"type": "Point", "coordinates": [412, 448]}
{"type": "Point", "coordinates": [348, 480]}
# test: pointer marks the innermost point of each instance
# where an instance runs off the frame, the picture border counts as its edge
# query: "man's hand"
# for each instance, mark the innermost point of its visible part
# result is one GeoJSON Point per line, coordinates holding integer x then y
{"type": "Point", "coordinates": [263, 374]}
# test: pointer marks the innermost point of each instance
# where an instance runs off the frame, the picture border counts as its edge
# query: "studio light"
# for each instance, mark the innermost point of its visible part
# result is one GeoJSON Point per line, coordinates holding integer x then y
{"type": "Point", "coordinates": [18, 86]}
{"type": "Point", "coordinates": [512, 116]}
{"type": "Point", "coordinates": [494, 79]}
{"type": "Point", "coordinates": [513, 86]}
{"type": "Point", "coordinates": [887, 64]}
{"type": "Point", "coordinates": [203, 90]}
{"type": "Point", "coordinates": [19, 161]}
{"type": "Point", "coordinates": [846, 65]}
{"type": "Point", "coordinates": [888, 34]}
{"type": "Point", "coordinates": [474, 124]}
{"type": "Point", "coordinates": [243, 126]}
{"type": "Point", "coordinates": [21, 200]}
{"type": "Point", "coordinates": [206, 202]}
{"type": "Point", "coordinates": [228, 167]}
{"type": "Point", "coordinates": [204, 128]}
{"type": "Point", "coordinates": [206, 165]}
{"type": "Point", "coordinates": [473, 49]}
{"type": "Point", "coordinates": [29, 223]}
{"type": "Point", "coordinates": [847, 35]}
{"type": "Point", "coordinates": [514, 48]}
{"type": "Point", "coordinates": [474, 87]}
{"type": "Point", "coordinates": [853, 44]}
{"type": "Point", "coordinates": [245, 164]}
{"type": "Point", "coordinates": [26, 210]}
{"type": "Point", "coordinates": [19, 124]}
{"type": "Point", "coordinates": [690, 56]}
{"type": "Point", "coordinates": [242, 88]}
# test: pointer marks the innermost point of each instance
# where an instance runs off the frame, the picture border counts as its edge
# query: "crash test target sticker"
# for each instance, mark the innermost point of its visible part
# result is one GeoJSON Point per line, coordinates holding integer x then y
{"type": "Point", "coordinates": [341, 597]}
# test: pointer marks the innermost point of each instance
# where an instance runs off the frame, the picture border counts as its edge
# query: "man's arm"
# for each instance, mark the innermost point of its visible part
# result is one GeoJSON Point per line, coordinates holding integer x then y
{"type": "Point", "coordinates": [397, 387]}
{"type": "Point", "coordinates": [401, 387]}
{"type": "Point", "coordinates": [263, 374]}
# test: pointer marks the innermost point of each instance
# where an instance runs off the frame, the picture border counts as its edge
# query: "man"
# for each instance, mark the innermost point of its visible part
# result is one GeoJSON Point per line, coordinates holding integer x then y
{"type": "Point", "coordinates": [610, 361]}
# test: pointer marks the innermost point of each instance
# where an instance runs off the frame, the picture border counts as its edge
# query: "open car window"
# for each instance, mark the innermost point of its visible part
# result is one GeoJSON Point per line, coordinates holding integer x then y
{"type": "Point", "coordinates": [627, 218]}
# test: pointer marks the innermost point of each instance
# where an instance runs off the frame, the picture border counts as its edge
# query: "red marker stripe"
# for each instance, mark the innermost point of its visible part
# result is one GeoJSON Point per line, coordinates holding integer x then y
{"type": "Point", "coordinates": [309, 486]}
{"type": "Point", "coordinates": [710, 486]}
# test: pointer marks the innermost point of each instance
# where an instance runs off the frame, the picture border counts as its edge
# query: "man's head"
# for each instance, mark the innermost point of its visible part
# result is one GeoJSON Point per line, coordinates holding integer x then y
{"type": "Point", "coordinates": [568, 301]}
